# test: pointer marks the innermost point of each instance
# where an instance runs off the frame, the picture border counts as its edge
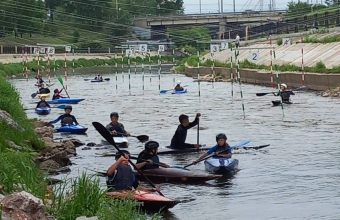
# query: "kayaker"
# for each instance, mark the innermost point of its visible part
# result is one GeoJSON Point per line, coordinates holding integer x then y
{"type": "Point", "coordinates": [115, 127]}
{"type": "Point", "coordinates": [66, 119]}
{"type": "Point", "coordinates": [148, 157]}
{"type": "Point", "coordinates": [178, 87]}
{"type": "Point", "coordinates": [56, 94]}
{"type": "Point", "coordinates": [43, 90]}
{"type": "Point", "coordinates": [121, 177]}
{"type": "Point", "coordinates": [98, 77]}
{"type": "Point", "coordinates": [178, 140]}
{"type": "Point", "coordinates": [221, 149]}
{"type": "Point", "coordinates": [39, 79]}
{"type": "Point", "coordinates": [42, 103]}
{"type": "Point", "coordinates": [285, 94]}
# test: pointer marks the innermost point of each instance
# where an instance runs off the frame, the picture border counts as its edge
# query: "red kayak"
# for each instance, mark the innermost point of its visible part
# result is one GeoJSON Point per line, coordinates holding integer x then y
{"type": "Point", "coordinates": [146, 200]}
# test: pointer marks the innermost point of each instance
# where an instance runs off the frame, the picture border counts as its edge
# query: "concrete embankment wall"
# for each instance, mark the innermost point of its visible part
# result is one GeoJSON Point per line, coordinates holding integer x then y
{"type": "Point", "coordinates": [313, 81]}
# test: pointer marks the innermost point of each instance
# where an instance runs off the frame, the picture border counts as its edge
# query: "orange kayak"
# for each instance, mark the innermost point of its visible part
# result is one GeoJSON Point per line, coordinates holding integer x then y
{"type": "Point", "coordinates": [146, 200]}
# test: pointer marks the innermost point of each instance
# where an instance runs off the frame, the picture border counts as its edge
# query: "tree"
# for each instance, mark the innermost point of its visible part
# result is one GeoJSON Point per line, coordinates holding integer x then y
{"type": "Point", "coordinates": [183, 37]}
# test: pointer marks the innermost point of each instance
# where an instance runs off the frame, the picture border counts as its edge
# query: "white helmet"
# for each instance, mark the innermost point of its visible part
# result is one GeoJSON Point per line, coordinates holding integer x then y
{"type": "Point", "coordinates": [284, 85]}
{"type": "Point", "coordinates": [178, 81]}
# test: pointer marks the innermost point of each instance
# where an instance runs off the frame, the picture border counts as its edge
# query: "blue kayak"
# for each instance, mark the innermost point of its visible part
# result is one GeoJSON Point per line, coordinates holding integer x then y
{"type": "Point", "coordinates": [221, 165]}
{"type": "Point", "coordinates": [74, 129]}
{"type": "Point", "coordinates": [179, 91]}
{"type": "Point", "coordinates": [65, 101]}
{"type": "Point", "coordinates": [43, 110]}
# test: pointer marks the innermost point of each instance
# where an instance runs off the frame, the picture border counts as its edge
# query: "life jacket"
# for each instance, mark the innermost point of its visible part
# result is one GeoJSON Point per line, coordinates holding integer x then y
{"type": "Point", "coordinates": [122, 179]}
{"type": "Point", "coordinates": [144, 155]}
{"type": "Point", "coordinates": [285, 96]}
{"type": "Point", "coordinates": [221, 148]}
{"type": "Point", "coordinates": [42, 104]}
{"type": "Point", "coordinates": [117, 128]}
{"type": "Point", "coordinates": [67, 120]}
{"type": "Point", "coordinates": [178, 87]}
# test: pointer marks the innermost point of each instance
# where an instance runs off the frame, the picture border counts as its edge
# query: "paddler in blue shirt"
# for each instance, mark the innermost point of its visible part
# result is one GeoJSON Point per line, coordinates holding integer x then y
{"type": "Point", "coordinates": [285, 94]}
{"type": "Point", "coordinates": [42, 103]}
{"type": "Point", "coordinates": [121, 177]}
{"type": "Point", "coordinates": [178, 86]}
{"type": "Point", "coordinates": [221, 149]}
{"type": "Point", "coordinates": [178, 140]}
{"type": "Point", "coordinates": [117, 129]}
{"type": "Point", "coordinates": [66, 119]}
{"type": "Point", "coordinates": [148, 157]}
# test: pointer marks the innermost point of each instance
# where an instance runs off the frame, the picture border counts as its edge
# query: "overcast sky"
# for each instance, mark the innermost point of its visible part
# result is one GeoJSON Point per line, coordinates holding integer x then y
{"type": "Point", "coordinates": [212, 6]}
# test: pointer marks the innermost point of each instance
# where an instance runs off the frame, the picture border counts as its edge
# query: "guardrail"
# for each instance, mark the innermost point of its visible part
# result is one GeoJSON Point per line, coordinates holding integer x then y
{"type": "Point", "coordinates": [30, 50]}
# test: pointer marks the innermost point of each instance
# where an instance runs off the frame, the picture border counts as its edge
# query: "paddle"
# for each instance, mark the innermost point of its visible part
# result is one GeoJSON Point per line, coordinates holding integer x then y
{"type": "Point", "coordinates": [302, 88]}
{"type": "Point", "coordinates": [107, 135]}
{"type": "Point", "coordinates": [241, 143]}
{"type": "Point", "coordinates": [165, 91]}
{"type": "Point", "coordinates": [141, 138]}
{"type": "Point", "coordinates": [252, 147]}
{"type": "Point", "coordinates": [87, 79]}
{"type": "Point", "coordinates": [59, 106]}
{"type": "Point", "coordinates": [62, 83]}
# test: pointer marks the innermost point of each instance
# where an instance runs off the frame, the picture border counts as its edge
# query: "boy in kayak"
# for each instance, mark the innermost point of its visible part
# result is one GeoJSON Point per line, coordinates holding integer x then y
{"type": "Point", "coordinates": [42, 103]}
{"type": "Point", "coordinates": [66, 119]}
{"type": "Point", "coordinates": [121, 177]}
{"type": "Point", "coordinates": [285, 94]}
{"type": "Point", "coordinates": [43, 90]}
{"type": "Point", "coordinates": [178, 87]}
{"type": "Point", "coordinates": [221, 149]}
{"type": "Point", "coordinates": [98, 77]}
{"type": "Point", "coordinates": [178, 140]}
{"type": "Point", "coordinates": [39, 79]}
{"type": "Point", "coordinates": [56, 94]}
{"type": "Point", "coordinates": [117, 129]}
{"type": "Point", "coordinates": [148, 158]}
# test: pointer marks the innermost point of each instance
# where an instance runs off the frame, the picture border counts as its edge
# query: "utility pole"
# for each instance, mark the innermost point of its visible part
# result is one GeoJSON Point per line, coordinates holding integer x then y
{"type": "Point", "coordinates": [234, 6]}
{"type": "Point", "coordinates": [200, 7]}
{"type": "Point", "coordinates": [222, 8]}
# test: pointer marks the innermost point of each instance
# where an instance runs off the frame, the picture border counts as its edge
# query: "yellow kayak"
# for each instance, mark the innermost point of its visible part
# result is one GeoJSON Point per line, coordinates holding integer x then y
{"type": "Point", "coordinates": [46, 95]}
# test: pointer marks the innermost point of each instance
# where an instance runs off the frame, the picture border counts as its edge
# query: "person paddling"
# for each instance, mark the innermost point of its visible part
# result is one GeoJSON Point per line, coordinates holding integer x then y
{"type": "Point", "coordinates": [148, 157]}
{"type": "Point", "coordinates": [39, 79]}
{"type": "Point", "coordinates": [178, 140]}
{"type": "Point", "coordinates": [66, 119]}
{"type": "Point", "coordinates": [42, 103]}
{"type": "Point", "coordinates": [121, 177]}
{"type": "Point", "coordinates": [178, 86]}
{"type": "Point", "coordinates": [56, 94]}
{"type": "Point", "coordinates": [98, 77]}
{"type": "Point", "coordinates": [285, 94]}
{"type": "Point", "coordinates": [115, 127]}
{"type": "Point", "coordinates": [221, 149]}
{"type": "Point", "coordinates": [43, 90]}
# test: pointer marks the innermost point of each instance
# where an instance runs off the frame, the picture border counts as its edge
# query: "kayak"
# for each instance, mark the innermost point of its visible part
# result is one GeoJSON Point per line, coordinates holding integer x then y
{"type": "Point", "coordinates": [41, 95]}
{"type": "Point", "coordinates": [74, 129]}
{"type": "Point", "coordinates": [220, 165]}
{"type": "Point", "coordinates": [121, 142]}
{"type": "Point", "coordinates": [97, 80]}
{"type": "Point", "coordinates": [175, 175]}
{"type": "Point", "coordinates": [65, 101]}
{"type": "Point", "coordinates": [179, 91]}
{"type": "Point", "coordinates": [43, 110]}
{"type": "Point", "coordinates": [46, 84]}
{"type": "Point", "coordinates": [278, 102]}
{"type": "Point", "coordinates": [179, 151]}
{"type": "Point", "coordinates": [146, 200]}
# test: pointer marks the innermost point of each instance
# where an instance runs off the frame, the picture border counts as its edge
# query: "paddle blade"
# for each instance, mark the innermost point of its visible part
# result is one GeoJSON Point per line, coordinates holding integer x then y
{"type": "Point", "coordinates": [163, 91]}
{"type": "Point", "coordinates": [241, 143]}
{"type": "Point", "coordinates": [34, 95]}
{"type": "Point", "coordinates": [104, 132]}
{"type": "Point", "coordinates": [302, 88]}
{"type": "Point", "coordinates": [179, 167]}
{"type": "Point", "coordinates": [61, 106]}
{"type": "Point", "coordinates": [143, 138]}
{"type": "Point", "coordinates": [60, 80]}
{"type": "Point", "coordinates": [262, 94]}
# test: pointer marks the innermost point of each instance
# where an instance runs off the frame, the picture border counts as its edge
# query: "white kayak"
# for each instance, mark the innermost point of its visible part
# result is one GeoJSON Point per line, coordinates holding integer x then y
{"type": "Point", "coordinates": [221, 165]}
{"type": "Point", "coordinates": [121, 142]}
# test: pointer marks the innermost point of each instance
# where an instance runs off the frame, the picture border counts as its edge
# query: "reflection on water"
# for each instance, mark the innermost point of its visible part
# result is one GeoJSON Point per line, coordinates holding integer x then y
{"type": "Point", "coordinates": [297, 177]}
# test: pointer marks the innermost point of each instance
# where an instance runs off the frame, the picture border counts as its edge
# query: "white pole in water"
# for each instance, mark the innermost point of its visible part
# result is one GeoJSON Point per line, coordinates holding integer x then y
{"type": "Point", "coordinates": [135, 69]}
{"type": "Point", "coordinates": [129, 69]}
{"type": "Point", "coordinates": [159, 72]}
{"type": "Point", "coordinates": [116, 67]}
{"type": "Point", "coordinates": [231, 74]}
{"type": "Point", "coordinates": [123, 65]}
{"type": "Point", "coordinates": [26, 61]}
{"type": "Point", "coordinates": [278, 83]}
{"type": "Point", "coordinates": [73, 62]}
{"type": "Point", "coordinates": [65, 68]}
{"type": "Point", "coordinates": [150, 67]}
{"type": "Point", "coordinates": [174, 64]}
{"type": "Point", "coordinates": [143, 71]}
{"type": "Point", "coordinates": [198, 73]}
{"type": "Point", "coordinates": [237, 53]}
{"type": "Point", "coordinates": [213, 69]}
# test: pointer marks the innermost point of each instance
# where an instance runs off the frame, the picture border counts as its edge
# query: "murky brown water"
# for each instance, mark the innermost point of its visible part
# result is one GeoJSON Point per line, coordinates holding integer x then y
{"type": "Point", "coordinates": [297, 177]}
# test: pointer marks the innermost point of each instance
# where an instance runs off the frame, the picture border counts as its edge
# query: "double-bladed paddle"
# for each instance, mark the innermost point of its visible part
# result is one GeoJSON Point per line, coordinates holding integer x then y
{"type": "Point", "coordinates": [253, 147]}
{"type": "Point", "coordinates": [241, 143]}
{"type": "Point", "coordinates": [302, 88]}
{"type": "Point", "coordinates": [167, 90]}
{"type": "Point", "coordinates": [59, 106]}
{"type": "Point", "coordinates": [108, 137]}
{"type": "Point", "coordinates": [62, 83]}
{"type": "Point", "coordinates": [141, 138]}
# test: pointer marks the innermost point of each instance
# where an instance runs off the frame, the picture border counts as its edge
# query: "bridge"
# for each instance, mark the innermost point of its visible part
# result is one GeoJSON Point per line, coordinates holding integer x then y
{"type": "Point", "coordinates": [224, 21]}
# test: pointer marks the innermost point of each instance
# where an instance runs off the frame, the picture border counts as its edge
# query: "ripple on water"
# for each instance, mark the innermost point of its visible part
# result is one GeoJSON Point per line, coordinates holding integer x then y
{"type": "Point", "coordinates": [297, 177]}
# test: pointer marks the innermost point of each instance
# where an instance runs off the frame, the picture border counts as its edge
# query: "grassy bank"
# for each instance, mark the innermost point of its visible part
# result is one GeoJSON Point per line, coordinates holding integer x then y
{"type": "Point", "coordinates": [16, 68]}
{"type": "Point", "coordinates": [319, 67]}
{"type": "Point", "coordinates": [82, 196]}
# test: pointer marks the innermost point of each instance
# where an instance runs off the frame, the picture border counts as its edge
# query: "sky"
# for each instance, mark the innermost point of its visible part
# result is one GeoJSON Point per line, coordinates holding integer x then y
{"type": "Point", "coordinates": [212, 6]}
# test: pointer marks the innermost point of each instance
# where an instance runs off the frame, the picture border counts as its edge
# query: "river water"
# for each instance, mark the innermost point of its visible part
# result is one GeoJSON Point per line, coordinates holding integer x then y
{"type": "Point", "coordinates": [297, 177]}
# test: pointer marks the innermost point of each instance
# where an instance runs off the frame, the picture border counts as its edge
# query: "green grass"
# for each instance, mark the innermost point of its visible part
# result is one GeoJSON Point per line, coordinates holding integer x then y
{"type": "Point", "coordinates": [319, 67]}
{"type": "Point", "coordinates": [10, 69]}
{"type": "Point", "coordinates": [26, 40]}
